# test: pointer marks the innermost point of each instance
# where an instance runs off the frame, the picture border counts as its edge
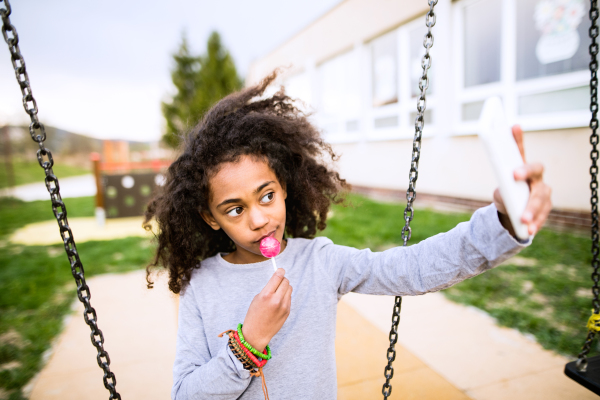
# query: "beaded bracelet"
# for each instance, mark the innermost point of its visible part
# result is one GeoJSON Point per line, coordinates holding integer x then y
{"type": "Point", "coordinates": [258, 361]}
{"type": "Point", "coordinates": [247, 359]}
{"type": "Point", "coordinates": [257, 353]}
{"type": "Point", "coordinates": [241, 352]}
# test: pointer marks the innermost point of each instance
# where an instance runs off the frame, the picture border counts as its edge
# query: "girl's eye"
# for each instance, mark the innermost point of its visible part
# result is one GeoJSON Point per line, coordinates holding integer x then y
{"type": "Point", "coordinates": [267, 197]}
{"type": "Point", "coordinates": [234, 212]}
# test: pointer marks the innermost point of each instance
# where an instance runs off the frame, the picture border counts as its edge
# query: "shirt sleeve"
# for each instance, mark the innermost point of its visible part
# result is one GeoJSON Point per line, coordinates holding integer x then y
{"type": "Point", "coordinates": [196, 373]}
{"type": "Point", "coordinates": [436, 263]}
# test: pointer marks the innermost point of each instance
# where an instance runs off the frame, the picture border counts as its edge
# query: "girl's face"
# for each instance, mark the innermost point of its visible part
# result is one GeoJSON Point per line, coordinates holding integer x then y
{"type": "Point", "coordinates": [248, 203]}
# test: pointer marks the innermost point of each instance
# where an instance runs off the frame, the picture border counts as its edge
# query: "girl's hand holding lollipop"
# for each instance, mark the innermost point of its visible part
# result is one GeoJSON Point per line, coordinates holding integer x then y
{"type": "Point", "coordinates": [268, 311]}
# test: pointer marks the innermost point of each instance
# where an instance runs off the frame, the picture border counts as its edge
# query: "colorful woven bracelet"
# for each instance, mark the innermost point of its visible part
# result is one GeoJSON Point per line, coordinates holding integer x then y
{"type": "Point", "coordinates": [240, 355]}
{"type": "Point", "coordinates": [240, 349]}
{"type": "Point", "coordinates": [265, 356]}
{"type": "Point", "coordinates": [248, 360]}
{"type": "Point", "coordinates": [258, 361]}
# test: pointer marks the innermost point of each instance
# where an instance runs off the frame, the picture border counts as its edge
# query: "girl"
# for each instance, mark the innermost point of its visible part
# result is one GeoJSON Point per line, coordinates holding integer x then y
{"type": "Point", "coordinates": [255, 167]}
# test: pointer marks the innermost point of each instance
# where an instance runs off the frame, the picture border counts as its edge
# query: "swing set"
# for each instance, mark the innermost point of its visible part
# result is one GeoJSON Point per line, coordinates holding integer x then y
{"type": "Point", "coordinates": [585, 371]}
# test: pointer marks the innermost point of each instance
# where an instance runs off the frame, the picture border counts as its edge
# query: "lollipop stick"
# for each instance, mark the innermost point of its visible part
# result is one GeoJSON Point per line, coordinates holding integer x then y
{"type": "Point", "coordinates": [274, 264]}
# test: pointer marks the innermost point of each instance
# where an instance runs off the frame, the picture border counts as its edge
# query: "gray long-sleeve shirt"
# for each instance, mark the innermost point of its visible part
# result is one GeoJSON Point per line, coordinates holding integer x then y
{"type": "Point", "coordinates": [303, 363]}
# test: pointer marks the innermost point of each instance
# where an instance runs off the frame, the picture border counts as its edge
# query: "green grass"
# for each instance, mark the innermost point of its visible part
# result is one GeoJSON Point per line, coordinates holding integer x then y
{"type": "Point", "coordinates": [30, 172]}
{"type": "Point", "coordinates": [550, 300]}
{"type": "Point", "coordinates": [37, 289]}
{"type": "Point", "coordinates": [15, 213]}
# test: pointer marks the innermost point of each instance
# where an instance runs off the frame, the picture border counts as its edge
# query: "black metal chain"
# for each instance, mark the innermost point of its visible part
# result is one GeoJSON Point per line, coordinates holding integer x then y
{"type": "Point", "coordinates": [593, 32]}
{"type": "Point", "coordinates": [44, 156]}
{"type": "Point", "coordinates": [411, 193]}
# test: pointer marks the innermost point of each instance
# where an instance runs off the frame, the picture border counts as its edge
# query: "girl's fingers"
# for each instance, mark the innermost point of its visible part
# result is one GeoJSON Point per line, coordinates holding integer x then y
{"type": "Point", "coordinates": [283, 287]}
{"type": "Point", "coordinates": [542, 215]}
{"type": "Point", "coordinates": [529, 172]}
{"type": "Point", "coordinates": [534, 205]}
{"type": "Point", "coordinates": [288, 297]}
{"type": "Point", "coordinates": [538, 207]}
{"type": "Point", "coordinates": [275, 281]}
{"type": "Point", "coordinates": [540, 219]}
{"type": "Point", "coordinates": [518, 135]}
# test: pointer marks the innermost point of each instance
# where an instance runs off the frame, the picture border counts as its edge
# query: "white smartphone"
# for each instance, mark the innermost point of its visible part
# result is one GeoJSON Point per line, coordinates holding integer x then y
{"type": "Point", "coordinates": [504, 155]}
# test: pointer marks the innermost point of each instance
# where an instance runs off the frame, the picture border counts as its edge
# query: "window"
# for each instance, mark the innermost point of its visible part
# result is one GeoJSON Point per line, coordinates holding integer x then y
{"type": "Point", "coordinates": [552, 37]}
{"type": "Point", "coordinates": [339, 95]}
{"type": "Point", "coordinates": [385, 70]}
{"type": "Point", "coordinates": [531, 53]}
{"type": "Point", "coordinates": [339, 80]}
{"type": "Point", "coordinates": [482, 33]}
{"type": "Point", "coordinates": [552, 102]}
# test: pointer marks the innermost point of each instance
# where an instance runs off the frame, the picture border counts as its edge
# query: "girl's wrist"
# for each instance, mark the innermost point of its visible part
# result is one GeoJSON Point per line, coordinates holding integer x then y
{"type": "Point", "coordinates": [505, 222]}
{"type": "Point", "coordinates": [254, 341]}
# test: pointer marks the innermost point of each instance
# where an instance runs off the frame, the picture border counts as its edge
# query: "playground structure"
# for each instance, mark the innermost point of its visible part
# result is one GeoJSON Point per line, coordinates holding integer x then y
{"type": "Point", "coordinates": [124, 187]}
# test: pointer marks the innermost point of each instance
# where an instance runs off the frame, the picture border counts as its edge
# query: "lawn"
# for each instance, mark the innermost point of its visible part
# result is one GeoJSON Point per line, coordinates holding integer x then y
{"type": "Point", "coordinates": [30, 172]}
{"type": "Point", "coordinates": [544, 291]}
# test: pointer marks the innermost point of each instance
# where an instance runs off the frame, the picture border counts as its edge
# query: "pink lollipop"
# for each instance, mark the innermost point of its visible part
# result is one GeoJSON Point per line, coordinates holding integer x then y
{"type": "Point", "coordinates": [269, 247]}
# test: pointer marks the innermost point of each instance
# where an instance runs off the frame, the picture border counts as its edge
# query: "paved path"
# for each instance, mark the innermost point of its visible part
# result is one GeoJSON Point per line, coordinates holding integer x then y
{"type": "Point", "coordinates": [466, 347]}
{"type": "Point", "coordinates": [84, 229]}
{"type": "Point", "coordinates": [139, 327]}
{"type": "Point", "coordinates": [75, 186]}
{"type": "Point", "coordinates": [460, 354]}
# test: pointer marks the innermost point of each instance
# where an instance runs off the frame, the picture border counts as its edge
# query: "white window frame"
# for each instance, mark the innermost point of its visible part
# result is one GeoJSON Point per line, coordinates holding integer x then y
{"type": "Point", "coordinates": [508, 88]}
{"type": "Point", "coordinates": [341, 134]}
{"type": "Point", "coordinates": [406, 103]}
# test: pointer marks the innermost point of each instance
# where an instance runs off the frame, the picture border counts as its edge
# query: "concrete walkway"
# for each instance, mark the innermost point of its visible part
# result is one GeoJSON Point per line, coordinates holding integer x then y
{"type": "Point", "coordinates": [75, 186]}
{"type": "Point", "coordinates": [465, 346]}
{"type": "Point", "coordinates": [458, 354]}
{"type": "Point", "coordinates": [84, 229]}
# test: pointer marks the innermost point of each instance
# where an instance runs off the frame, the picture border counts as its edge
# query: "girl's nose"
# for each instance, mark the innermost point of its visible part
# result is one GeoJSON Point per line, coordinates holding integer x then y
{"type": "Point", "coordinates": [258, 218]}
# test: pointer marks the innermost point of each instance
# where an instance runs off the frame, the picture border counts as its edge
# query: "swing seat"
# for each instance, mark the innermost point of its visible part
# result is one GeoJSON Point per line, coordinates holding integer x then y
{"type": "Point", "coordinates": [589, 379]}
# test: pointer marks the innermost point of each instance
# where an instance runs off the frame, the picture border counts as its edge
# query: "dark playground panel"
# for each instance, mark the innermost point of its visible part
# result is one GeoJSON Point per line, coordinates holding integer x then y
{"type": "Point", "coordinates": [127, 195]}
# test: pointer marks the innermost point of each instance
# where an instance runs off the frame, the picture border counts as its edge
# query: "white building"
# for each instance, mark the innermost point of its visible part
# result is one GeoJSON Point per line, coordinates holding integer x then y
{"type": "Point", "coordinates": [358, 68]}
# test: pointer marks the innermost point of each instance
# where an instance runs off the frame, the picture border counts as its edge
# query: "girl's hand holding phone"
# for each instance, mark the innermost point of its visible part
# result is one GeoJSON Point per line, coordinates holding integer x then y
{"type": "Point", "coordinates": [539, 204]}
{"type": "Point", "coordinates": [268, 311]}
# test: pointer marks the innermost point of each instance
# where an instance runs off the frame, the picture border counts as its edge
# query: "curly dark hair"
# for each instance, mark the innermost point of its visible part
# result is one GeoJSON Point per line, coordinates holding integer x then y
{"type": "Point", "coordinates": [242, 123]}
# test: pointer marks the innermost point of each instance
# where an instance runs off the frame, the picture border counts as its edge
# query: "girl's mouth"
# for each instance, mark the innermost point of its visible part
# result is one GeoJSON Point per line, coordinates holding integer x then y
{"type": "Point", "coordinates": [272, 233]}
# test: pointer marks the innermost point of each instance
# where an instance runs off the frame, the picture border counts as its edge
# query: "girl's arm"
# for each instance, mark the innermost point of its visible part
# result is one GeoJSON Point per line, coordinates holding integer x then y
{"type": "Point", "coordinates": [431, 265]}
{"type": "Point", "coordinates": [197, 374]}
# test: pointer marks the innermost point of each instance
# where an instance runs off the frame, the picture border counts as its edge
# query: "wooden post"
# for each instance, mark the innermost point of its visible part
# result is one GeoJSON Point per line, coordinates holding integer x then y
{"type": "Point", "coordinates": [100, 212]}
{"type": "Point", "coordinates": [10, 173]}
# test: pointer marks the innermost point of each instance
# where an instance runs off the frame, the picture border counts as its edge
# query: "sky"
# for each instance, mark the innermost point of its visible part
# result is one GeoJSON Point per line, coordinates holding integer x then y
{"type": "Point", "coordinates": [101, 69]}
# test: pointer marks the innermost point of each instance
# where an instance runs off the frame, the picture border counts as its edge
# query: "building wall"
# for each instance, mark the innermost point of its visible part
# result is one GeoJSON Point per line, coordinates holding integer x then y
{"type": "Point", "coordinates": [458, 167]}
{"type": "Point", "coordinates": [341, 46]}
{"type": "Point", "coordinates": [350, 22]}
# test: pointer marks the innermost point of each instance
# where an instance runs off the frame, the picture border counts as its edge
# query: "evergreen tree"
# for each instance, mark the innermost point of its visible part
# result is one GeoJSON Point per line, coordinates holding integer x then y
{"type": "Point", "coordinates": [200, 82]}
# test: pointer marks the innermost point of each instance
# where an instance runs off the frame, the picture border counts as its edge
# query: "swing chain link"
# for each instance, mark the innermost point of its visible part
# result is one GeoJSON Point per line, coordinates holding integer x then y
{"type": "Point", "coordinates": [411, 193]}
{"type": "Point", "coordinates": [46, 161]}
{"type": "Point", "coordinates": [581, 363]}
